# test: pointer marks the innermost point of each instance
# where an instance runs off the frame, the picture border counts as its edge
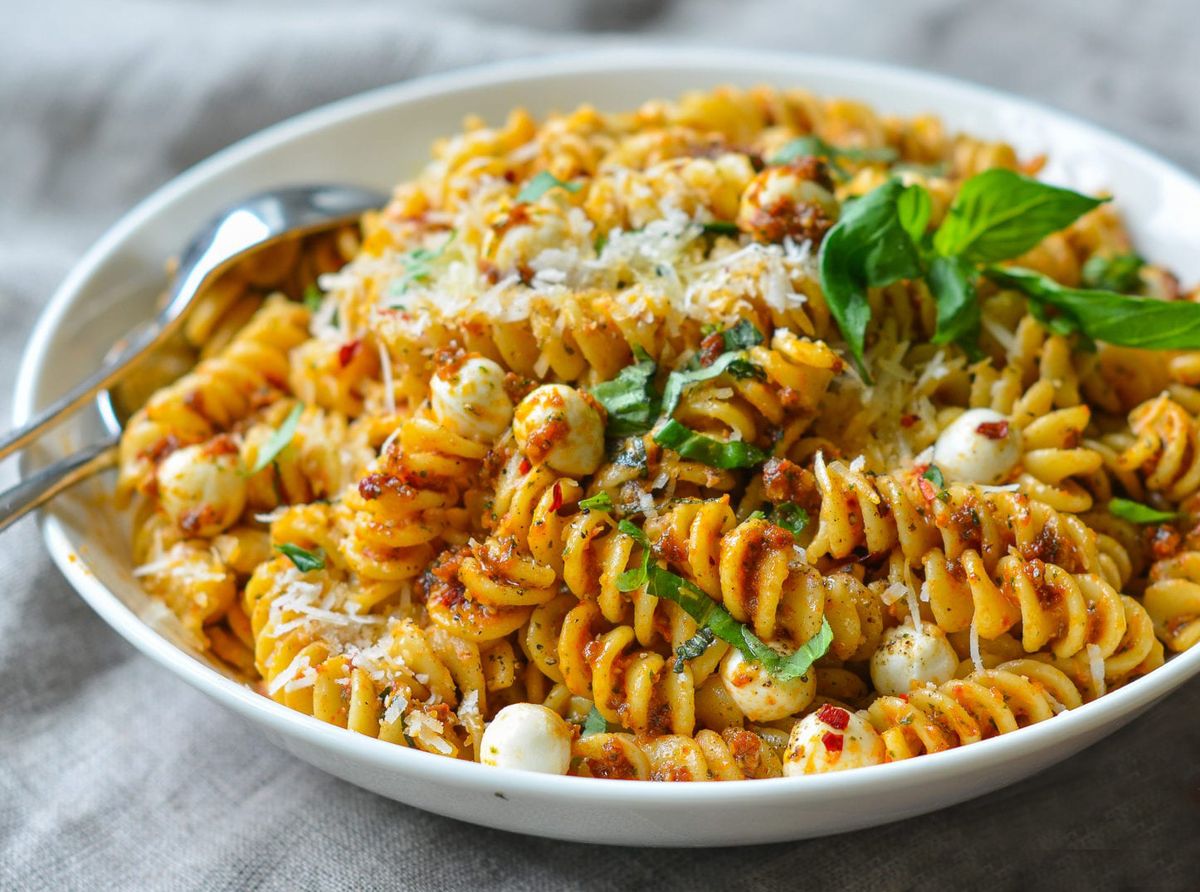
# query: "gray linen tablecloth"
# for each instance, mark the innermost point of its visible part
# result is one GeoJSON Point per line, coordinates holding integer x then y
{"type": "Point", "coordinates": [113, 774]}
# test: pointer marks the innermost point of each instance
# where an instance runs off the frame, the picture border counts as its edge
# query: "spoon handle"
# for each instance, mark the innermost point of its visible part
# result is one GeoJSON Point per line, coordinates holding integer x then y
{"type": "Point", "coordinates": [139, 345]}
{"type": "Point", "coordinates": [39, 488]}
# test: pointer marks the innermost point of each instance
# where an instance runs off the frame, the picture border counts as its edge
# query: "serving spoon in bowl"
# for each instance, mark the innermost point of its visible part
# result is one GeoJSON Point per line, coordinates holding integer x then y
{"type": "Point", "coordinates": [252, 224]}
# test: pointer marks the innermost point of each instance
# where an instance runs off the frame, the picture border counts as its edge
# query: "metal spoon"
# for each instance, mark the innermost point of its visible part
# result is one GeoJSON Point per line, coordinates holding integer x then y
{"type": "Point", "coordinates": [254, 223]}
{"type": "Point", "coordinates": [251, 225]}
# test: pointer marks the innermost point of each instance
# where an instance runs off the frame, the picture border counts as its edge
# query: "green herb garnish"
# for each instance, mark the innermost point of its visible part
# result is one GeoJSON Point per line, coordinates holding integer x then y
{"type": "Point", "coordinates": [935, 476]}
{"type": "Point", "coordinates": [722, 454]}
{"type": "Point", "coordinates": [541, 184]}
{"type": "Point", "coordinates": [594, 723]}
{"type": "Point", "coordinates": [601, 501]}
{"type": "Point", "coordinates": [313, 297]}
{"type": "Point", "coordinates": [303, 559]}
{"type": "Point", "coordinates": [693, 647]}
{"type": "Point", "coordinates": [813, 146]}
{"type": "Point", "coordinates": [1120, 319]}
{"type": "Point", "coordinates": [629, 398]}
{"type": "Point", "coordinates": [720, 227]}
{"type": "Point", "coordinates": [791, 517]}
{"type": "Point", "coordinates": [278, 440]}
{"type": "Point", "coordinates": [1135, 512]}
{"type": "Point", "coordinates": [1116, 272]}
{"type": "Point", "coordinates": [742, 336]}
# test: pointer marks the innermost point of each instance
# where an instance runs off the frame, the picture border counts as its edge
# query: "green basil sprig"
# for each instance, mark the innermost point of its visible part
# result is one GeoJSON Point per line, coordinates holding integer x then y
{"type": "Point", "coordinates": [1116, 272]}
{"type": "Point", "coordinates": [595, 723]}
{"type": "Point", "coordinates": [601, 501]}
{"type": "Point", "coordinates": [708, 613]}
{"type": "Point", "coordinates": [813, 146]}
{"type": "Point", "coordinates": [881, 238]}
{"type": "Point", "coordinates": [726, 455]}
{"type": "Point", "coordinates": [629, 399]}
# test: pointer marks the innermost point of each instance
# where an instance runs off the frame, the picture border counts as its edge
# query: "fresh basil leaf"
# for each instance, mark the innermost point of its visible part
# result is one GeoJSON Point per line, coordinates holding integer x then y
{"type": "Point", "coordinates": [593, 724]}
{"type": "Point", "coordinates": [706, 450]}
{"type": "Point", "coordinates": [721, 227]}
{"type": "Point", "coordinates": [633, 455]}
{"type": "Point", "coordinates": [601, 501]}
{"type": "Point", "coordinates": [813, 146]}
{"type": "Point", "coordinates": [1113, 272]}
{"type": "Point", "coordinates": [418, 266]}
{"type": "Point", "coordinates": [1136, 512]}
{"type": "Point", "coordinates": [313, 297]}
{"type": "Point", "coordinates": [278, 440]}
{"type": "Point", "coordinates": [629, 529]}
{"type": "Point", "coordinates": [303, 559]}
{"type": "Point", "coordinates": [742, 336]}
{"type": "Point", "coordinates": [1000, 214]}
{"type": "Point", "coordinates": [914, 208]}
{"type": "Point", "coordinates": [744, 370]}
{"type": "Point", "coordinates": [694, 647]}
{"type": "Point", "coordinates": [634, 578]}
{"type": "Point", "coordinates": [629, 398]}
{"type": "Point", "coordinates": [935, 476]}
{"type": "Point", "coordinates": [677, 381]}
{"type": "Point", "coordinates": [1142, 322]}
{"type": "Point", "coordinates": [951, 281]}
{"type": "Point", "coordinates": [868, 247]}
{"type": "Point", "coordinates": [541, 184]}
{"type": "Point", "coordinates": [796, 664]}
{"type": "Point", "coordinates": [757, 515]}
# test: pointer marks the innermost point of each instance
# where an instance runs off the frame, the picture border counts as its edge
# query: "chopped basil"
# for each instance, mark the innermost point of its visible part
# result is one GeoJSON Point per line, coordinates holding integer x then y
{"type": "Point", "coordinates": [813, 146]}
{"type": "Point", "coordinates": [278, 440]}
{"type": "Point", "coordinates": [601, 501]}
{"type": "Point", "coordinates": [629, 398]}
{"type": "Point", "coordinates": [633, 456]}
{"type": "Point", "coordinates": [867, 248]}
{"type": "Point", "coordinates": [1000, 214]}
{"type": "Point", "coordinates": [541, 184]}
{"type": "Point", "coordinates": [1136, 512]}
{"type": "Point", "coordinates": [725, 455]}
{"type": "Point", "coordinates": [1116, 272]}
{"type": "Point", "coordinates": [303, 559]}
{"type": "Point", "coordinates": [418, 266]}
{"type": "Point", "coordinates": [693, 647]}
{"type": "Point", "coordinates": [914, 208]}
{"type": "Point", "coordinates": [595, 723]}
{"type": "Point", "coordinates": [742, 336]}
{"type": "Point", "coordinates": [313, 297]}
{"type": "Point", "coordinates": [733, 362]}
{"type": "Point", "coordinates": [1141, 322]}
{"type": "Point", "coordinates": [934, 475]}
{"type": "Point", "coordinates": [708, 613]}
{"type": "Point", "coordinates": [791, 517]}
{"type": "Point", "coordinates": [721, 227]}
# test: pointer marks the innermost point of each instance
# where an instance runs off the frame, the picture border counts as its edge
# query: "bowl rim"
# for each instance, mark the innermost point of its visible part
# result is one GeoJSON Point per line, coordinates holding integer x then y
{"type": "Point", "coordinates": [454, 773]}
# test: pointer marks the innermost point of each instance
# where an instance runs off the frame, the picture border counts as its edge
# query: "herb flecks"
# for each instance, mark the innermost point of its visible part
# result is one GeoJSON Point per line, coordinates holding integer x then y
{"type": "Point", "coordinates": [278, 440]}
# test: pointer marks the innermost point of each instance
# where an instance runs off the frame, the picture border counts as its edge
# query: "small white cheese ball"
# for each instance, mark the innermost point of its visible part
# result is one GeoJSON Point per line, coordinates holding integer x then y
{"type": "Point", "coordinates": [907, 658]}
{"type": "Point", "coordinates": [201, 488]}
{"type": "Point", "coordinates": [831, 739]}
{"type": "Point", "coordinates": [528, 737]}
{"type": "Point", "coordinates": [469, 398]}
{"type": "Point", "coordinates": [556, 425]}
{"type": "Point", "coordinates": [968, 454]}
{"type": "Point", "coordinates": [760, 697]}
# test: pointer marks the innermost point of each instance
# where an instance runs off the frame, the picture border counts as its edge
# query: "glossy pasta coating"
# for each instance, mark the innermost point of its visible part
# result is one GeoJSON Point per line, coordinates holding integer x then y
{"type": "Point", "coordinates": [441, 484]}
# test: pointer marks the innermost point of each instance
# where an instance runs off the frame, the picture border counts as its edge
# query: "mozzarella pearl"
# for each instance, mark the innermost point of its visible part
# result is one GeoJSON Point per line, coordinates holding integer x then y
{"type": "Point", "coordinates": [528, 737]}
{"type": "Point", "coordinates": [557, 426]}
{"type": "Point", "coordinates": [816, 745]}
{"type": "Point", "coordinates": [201, 490]}
{"type": "Point", "coordinates": [760, 697]}
{"type": "Point", "coordinates": [965, 454]}
{"type": "Point", "coordinates": [469, 398]}
{"type": "Point", "coordinates": [907, 658]}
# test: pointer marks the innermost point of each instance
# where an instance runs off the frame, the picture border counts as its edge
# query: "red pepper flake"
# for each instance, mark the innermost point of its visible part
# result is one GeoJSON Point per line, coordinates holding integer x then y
{"type": "Point", "coordinates": [556, 499]}
{"type": "Point", "coordinates": [348, 351]}
{"type": "Point", "coordinates": [832, 742]}
{"type": "Point", "coordinates": [833, 716]}
{"type": "Point", "coordinates": [525, 466]}
{"type": "Point", "coordinates": [928, 490]}
{"type": "Point", "coordinates": [993, 430]}
{"type": "Point", "coordinates": [908, 420]}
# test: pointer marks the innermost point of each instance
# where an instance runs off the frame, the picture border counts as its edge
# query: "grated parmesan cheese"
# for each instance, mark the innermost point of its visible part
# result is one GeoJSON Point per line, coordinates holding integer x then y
{"type": "Point", "coordinates": [976, 659]}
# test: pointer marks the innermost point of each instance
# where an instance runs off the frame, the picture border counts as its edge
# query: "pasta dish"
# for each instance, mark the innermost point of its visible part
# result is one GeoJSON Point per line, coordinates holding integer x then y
{"type": "Point", "coordinates": [745, 435]}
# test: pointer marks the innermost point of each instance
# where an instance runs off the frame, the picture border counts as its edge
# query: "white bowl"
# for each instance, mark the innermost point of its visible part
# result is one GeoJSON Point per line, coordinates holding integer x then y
{"type": "Point", "coordinates": [381, 137]}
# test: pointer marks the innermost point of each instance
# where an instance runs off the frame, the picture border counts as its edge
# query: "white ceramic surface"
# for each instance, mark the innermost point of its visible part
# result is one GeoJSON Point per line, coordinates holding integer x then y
{"type": "Point", "coordinates": [381, 137]}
